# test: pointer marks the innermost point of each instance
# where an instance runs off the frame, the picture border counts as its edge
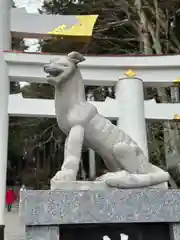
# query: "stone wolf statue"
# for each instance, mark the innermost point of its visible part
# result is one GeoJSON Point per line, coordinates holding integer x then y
{"type": "Point", "coordinates": [83, 125]}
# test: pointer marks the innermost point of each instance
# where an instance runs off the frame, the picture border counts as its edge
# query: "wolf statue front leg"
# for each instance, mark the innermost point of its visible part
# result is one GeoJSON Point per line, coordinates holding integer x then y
{"type": "Point", "coordinates": [77, 118]}
{"type": "Point", "coordinates": [72, 155]}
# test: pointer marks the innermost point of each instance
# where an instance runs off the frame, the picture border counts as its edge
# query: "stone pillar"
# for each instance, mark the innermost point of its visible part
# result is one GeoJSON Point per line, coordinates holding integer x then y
{"type": "Point", "coordinates": [171, 136]}
{"type": "Point", "coordinates": [92, 164]}
{"type": "Point", "coordinates": [5, 44]}
{"type": "Point", "coordinates": [130, 97]}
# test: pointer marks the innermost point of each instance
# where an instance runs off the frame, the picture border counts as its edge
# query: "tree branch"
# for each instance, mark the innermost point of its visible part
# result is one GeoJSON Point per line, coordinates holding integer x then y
{"type": "Point", "coordinates": [157, 19]}
{"type": "Point", "coordinates": [143, 30]}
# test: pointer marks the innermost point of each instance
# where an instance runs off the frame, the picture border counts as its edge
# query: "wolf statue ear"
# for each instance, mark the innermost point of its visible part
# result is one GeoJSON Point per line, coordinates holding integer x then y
{"type": "Point", "coordinates": [76, 57]}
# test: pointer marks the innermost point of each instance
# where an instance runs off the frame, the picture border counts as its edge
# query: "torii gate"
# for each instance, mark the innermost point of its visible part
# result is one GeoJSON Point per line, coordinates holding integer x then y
{"type": "Point", "coordinates": [152, 71]}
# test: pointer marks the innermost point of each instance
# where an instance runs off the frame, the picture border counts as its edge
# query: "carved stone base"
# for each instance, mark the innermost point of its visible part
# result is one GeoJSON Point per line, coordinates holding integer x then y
{"type": "Point", "coordinates": [78, 185]}
{"type": "Point", "coordinates": [45, 213]}
{"type": "Point", "coordinates": [89, 185]}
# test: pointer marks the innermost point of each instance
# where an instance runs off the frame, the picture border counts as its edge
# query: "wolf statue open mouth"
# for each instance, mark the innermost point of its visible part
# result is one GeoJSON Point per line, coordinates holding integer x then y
{"type": "Point", "coordinates": [53, 71]}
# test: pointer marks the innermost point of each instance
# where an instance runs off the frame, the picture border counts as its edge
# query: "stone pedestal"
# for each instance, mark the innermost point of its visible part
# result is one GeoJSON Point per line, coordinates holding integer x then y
{"type": "Point", "coordinates": [91, 213]}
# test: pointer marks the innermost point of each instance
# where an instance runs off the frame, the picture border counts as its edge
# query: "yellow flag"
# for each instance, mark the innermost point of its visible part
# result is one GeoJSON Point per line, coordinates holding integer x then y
{"type": "Point", "coordinates": [83, 28]}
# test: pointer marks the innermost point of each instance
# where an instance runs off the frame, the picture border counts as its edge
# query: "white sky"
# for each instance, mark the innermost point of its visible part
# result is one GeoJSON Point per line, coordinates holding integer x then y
{"type": "Point", "coordinates": [30, 5]}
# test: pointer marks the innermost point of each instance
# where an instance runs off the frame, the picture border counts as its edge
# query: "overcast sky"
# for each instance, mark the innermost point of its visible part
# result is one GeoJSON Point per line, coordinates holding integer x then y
{"type": "Point", "coordinates": [30, 5]}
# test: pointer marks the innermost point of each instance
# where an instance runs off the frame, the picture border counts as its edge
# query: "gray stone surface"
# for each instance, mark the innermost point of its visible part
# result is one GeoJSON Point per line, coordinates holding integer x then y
{"type": "Point", "coordinates": [42, 233]}
{"type": "Point", "coordinates": [87, 185]}
{"type": "Point", "coordinates": [96, 206]}
{"type": "Point", "coordinates": [78, 185]}
{"type": "Point", "coordinates": [14, 228]}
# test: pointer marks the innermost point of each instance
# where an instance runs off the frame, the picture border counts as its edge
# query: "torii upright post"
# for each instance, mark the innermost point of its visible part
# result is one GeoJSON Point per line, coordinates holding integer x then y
{"type": "Point", "coordinates": [130, 96]}
{"type": "Point", "coordinates": [5, 44]}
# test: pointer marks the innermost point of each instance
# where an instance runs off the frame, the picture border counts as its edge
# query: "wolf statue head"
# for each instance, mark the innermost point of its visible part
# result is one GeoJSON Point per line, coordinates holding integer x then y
{"type": "Point", "coordinates": [59, 71]}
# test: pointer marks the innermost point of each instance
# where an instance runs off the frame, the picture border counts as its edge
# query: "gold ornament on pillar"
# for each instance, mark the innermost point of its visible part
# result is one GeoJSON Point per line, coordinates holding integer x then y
{"type": "Point", "coordinates": [177, 81]}
{"type": "Point", "coordinates": [176, 117]}
{"type": "Point", "coordinates": [130, 74]}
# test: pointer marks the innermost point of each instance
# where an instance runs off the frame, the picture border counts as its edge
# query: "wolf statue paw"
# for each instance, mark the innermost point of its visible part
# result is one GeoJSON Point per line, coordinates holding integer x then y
{"type": "Point", "coordinates": [124, 179]}
{"type": "Point", "coordinates": [65, 175]}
